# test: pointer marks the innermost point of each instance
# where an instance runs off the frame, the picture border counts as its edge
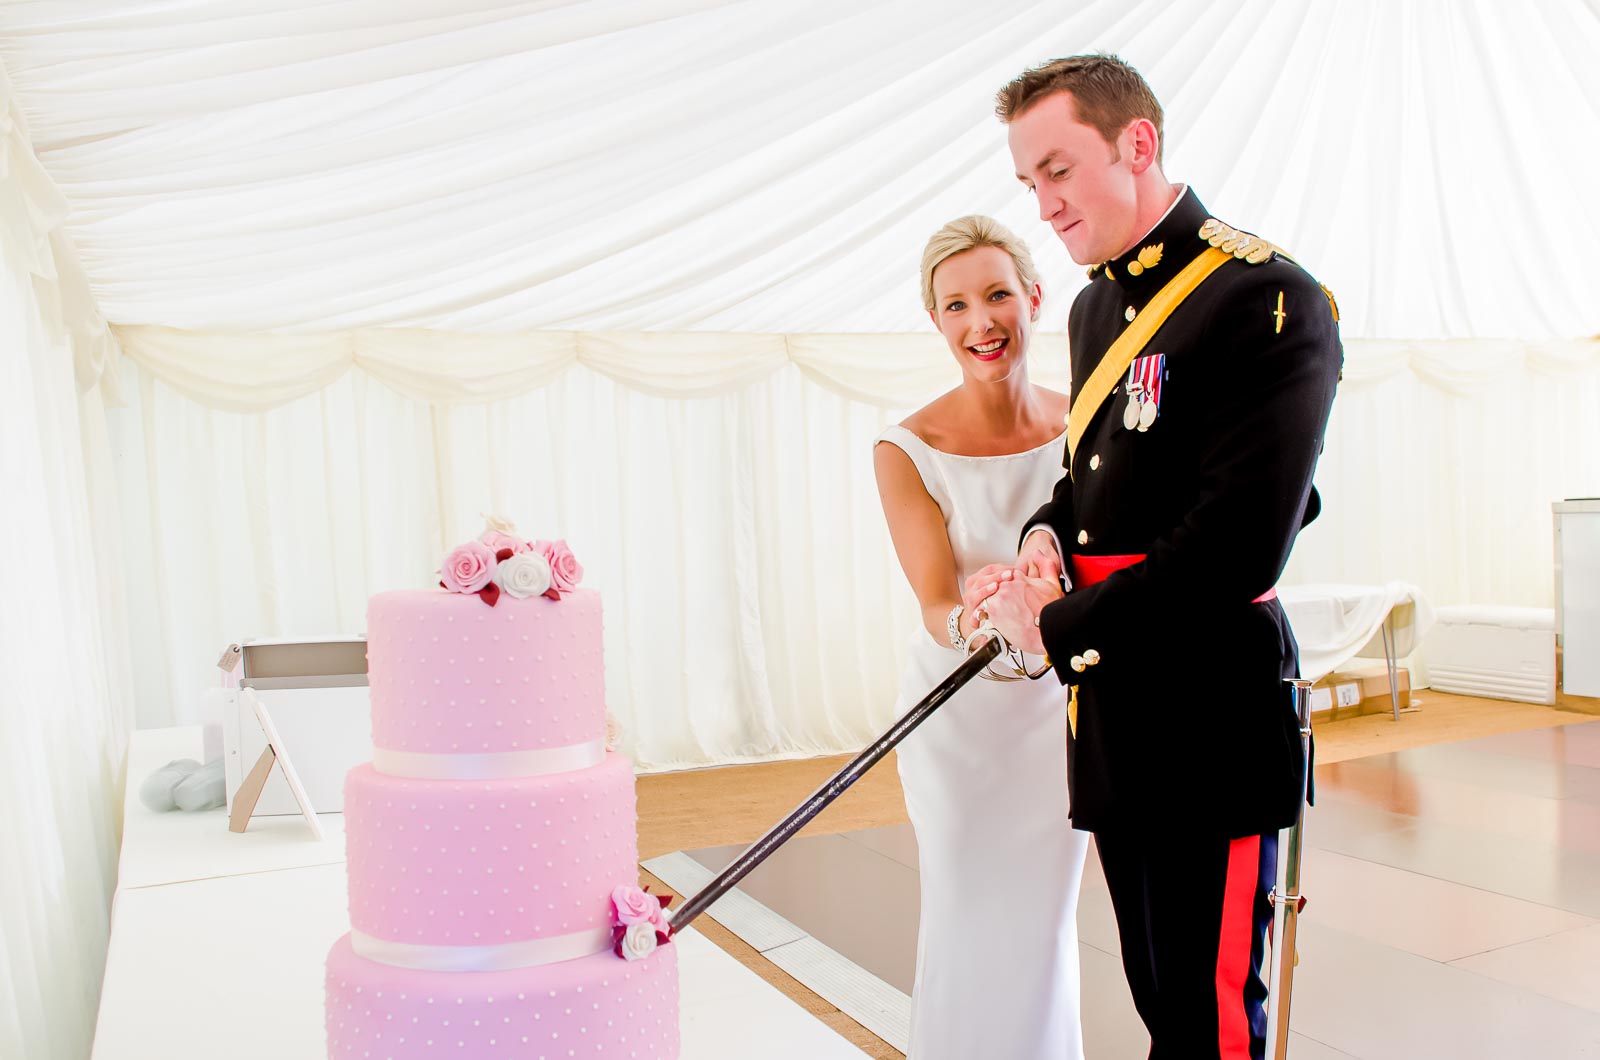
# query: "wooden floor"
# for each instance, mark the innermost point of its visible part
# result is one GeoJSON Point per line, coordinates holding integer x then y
{"type": "Point", "coordinates": [735, 805]}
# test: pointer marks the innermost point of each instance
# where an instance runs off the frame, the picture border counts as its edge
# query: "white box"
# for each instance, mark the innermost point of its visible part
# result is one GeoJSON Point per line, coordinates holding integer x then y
{"type": "Point", "coordinates": [1497, 652]}
{"type": "Point", "coordinates": [1577, 526]}
{"type": "Point", "coordinates": [316, 691]}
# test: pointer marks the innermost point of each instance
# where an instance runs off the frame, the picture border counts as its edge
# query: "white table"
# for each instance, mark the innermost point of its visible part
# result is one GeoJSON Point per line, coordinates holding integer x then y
{"type": "Point", "coordinates": [218, 940]}
{"type": "Point", "coordinates": [1336, 623]}
{"type": "Point", "coordinates": [163, 848]}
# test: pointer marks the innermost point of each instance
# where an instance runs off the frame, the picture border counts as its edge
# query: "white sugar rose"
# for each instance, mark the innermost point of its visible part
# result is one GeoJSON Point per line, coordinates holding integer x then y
{"type": "Point", "coordinates": [639, 941]}
{"type": "Point", "coordinates": [523, 575]}
{"type": "Point", "coordinates": [499, 524]}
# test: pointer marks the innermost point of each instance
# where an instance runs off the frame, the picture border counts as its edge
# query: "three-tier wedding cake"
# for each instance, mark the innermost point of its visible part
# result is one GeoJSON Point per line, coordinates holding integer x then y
{"type": "Point", "coordinates": [491, 843]}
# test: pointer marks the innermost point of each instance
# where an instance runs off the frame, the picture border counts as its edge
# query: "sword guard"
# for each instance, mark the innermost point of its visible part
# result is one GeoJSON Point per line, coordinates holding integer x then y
{"type": "Point", "coordinates": [1298, 900]}
{"type": "Point", "coordinates": [1012, 655]}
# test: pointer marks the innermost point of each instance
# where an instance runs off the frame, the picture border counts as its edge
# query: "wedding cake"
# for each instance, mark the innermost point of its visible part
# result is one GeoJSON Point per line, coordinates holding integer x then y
{"type": "Point", "coordinates": [491, 842]}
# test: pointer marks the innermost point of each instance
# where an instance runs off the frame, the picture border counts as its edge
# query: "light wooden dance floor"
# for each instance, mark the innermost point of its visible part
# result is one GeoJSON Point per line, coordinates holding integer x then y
{"type": "Point", "coordinates": [1454, 910]}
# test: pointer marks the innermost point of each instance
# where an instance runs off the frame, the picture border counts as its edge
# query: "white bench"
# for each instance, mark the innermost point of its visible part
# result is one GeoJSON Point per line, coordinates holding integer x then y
{"type": "Point", "coordinates": [1497, 652]}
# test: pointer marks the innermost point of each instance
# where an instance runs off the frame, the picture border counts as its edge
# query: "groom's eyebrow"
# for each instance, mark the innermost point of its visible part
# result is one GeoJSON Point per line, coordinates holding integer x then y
{"type": "Point", "coordinates": [1041, 164]}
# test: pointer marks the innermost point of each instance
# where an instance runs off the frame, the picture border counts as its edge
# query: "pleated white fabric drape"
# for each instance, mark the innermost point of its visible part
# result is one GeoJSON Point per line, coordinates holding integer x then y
{"type": "Point", "coordinates": [755, 608]}
{"type": "Point", "coordinates": [723, 166]}
{"type": "Point", "coordinates": [752, 606]}
{"type": "Point", "coordinates": [65, 688]}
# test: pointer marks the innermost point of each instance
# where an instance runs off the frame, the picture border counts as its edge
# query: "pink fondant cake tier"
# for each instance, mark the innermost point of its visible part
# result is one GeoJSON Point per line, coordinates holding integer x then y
{"type": "Point", "coordinates": [451, 675]}
{"type": "Point", "coordinates": [481, 862]}
{"type": "Point", "coordinates": [599, 1006]}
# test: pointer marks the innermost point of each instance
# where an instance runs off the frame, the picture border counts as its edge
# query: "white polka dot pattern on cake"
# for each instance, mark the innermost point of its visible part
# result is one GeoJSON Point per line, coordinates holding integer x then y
{"type": "Point", "coordinates": [598, 1006]}
{"type": "Point", "coordinates": [440, 682]}
{"type": "Point", "coordinates": [454, 868]}
{"type": "Point", "coordinates": [469, 863]}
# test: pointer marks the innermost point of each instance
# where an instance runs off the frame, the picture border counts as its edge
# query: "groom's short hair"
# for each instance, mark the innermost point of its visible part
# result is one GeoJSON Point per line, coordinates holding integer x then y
{"type": "Point", "coordinates": [1106, 93]}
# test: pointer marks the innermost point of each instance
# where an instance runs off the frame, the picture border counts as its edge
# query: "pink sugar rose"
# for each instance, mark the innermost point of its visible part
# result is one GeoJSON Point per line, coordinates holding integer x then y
{"type": "Point", "coordinates": [565, 570]}
{"type": "Point", "coordinates": [494, 540]}
{"type": "Point", "coordinates": [468, 567]}
{"type": "Point", "coordinates": [635, 906]}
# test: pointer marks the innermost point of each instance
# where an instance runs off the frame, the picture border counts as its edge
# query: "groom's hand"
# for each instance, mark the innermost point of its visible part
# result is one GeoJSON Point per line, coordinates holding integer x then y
{"type": "Point", "coordinates": [1039, 558]}
{"type": "Point", "coordinates": [1014, 610]}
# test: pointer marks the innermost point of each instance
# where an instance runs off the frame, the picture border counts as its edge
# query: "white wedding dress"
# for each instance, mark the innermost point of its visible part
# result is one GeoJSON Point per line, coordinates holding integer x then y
{"type": "Point", "coordinates": [985, 781]}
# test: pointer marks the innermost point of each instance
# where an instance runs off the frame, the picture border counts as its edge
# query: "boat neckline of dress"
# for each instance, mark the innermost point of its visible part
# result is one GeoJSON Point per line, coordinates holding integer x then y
{"type": "Point", "coordinates": [968, 456]}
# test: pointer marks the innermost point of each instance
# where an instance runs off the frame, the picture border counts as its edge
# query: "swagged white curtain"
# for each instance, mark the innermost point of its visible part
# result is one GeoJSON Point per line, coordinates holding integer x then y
{"type": "Point", "coordinates": [751, 608]}
{"type": "Point", "coordinates": [676, 245]}
{"type": "Point", "coordinates": [754, 606]}
{"type": "Point", "coordinates": [64, 680]}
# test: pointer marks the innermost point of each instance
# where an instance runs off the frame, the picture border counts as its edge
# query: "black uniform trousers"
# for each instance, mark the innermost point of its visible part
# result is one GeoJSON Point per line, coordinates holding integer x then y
{"type": "Point", "coordinates": [1193, 914]}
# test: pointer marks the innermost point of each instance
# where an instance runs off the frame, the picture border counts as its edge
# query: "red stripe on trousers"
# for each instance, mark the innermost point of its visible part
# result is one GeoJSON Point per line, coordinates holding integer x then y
{"type": "Point", "coordinates": [1233, 947]}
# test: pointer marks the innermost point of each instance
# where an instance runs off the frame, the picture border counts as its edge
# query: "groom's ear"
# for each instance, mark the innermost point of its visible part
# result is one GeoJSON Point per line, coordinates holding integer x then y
{"type": "Point", "coordinates": [1143, 144]}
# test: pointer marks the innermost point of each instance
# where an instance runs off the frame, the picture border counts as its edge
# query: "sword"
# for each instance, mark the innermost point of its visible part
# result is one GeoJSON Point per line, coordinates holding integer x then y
{"type": "Point", "coordinates": [838, 784]}
{"type": "Point", "coordinates": [1287, 905]}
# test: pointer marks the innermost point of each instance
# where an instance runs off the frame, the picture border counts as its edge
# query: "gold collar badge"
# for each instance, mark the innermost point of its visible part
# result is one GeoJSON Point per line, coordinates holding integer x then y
{"type": "Point", "coordinates": [1149, 257]}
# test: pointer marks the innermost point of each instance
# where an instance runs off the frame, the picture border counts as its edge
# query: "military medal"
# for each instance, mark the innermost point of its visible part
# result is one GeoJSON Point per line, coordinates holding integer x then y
{"type": "Point", "coordinates": [1144, 392]}
{"type": "Point", "coordinates": [1131, 414]}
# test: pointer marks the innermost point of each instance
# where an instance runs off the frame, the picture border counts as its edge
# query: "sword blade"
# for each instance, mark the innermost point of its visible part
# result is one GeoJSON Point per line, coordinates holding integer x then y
{"type": "Point", "coordinates": [833, 787]}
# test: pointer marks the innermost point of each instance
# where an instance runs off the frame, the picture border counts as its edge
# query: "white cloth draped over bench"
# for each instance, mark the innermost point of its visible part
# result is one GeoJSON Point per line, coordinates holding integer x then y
{"type": "Point", "coordinates": [1337, 623]}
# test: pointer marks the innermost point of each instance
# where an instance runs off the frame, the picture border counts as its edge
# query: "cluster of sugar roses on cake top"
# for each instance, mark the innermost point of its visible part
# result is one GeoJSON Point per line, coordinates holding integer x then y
{"type": "Point", "coordinates": [500, 561]}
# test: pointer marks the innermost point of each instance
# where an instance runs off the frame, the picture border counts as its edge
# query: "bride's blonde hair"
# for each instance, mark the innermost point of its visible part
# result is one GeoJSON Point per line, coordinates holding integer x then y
{"type": "Point", "coordinates": [968, 233]}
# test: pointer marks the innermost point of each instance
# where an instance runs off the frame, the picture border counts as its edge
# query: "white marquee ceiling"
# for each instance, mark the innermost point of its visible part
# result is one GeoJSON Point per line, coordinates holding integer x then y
{"type": "Point", "coordinates": [283, 165]}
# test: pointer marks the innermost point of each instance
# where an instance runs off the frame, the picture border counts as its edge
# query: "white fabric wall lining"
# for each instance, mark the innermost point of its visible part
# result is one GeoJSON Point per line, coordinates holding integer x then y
{"type": "Point", "coordinates": [64, 676]}
{"type": "Point", "coordinates": [755, 606]}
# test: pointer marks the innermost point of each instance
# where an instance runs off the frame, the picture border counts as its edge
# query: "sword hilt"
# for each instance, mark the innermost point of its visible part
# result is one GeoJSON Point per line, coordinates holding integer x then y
{"type": "Point", "coordinates": [1019, 665]}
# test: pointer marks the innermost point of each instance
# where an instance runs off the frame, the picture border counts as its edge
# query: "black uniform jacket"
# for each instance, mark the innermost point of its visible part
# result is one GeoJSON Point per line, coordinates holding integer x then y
{"type": "Point", "coordinates": [1185, 719]}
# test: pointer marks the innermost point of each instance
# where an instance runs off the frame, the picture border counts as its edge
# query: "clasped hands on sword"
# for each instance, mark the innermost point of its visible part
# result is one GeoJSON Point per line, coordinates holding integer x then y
{"type": "Point", "coordinates": [1010, 597]}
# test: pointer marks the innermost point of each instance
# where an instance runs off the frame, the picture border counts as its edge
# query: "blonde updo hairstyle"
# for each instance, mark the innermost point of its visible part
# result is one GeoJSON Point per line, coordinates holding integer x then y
{"type": "Point", "coordinates": [969, 233]}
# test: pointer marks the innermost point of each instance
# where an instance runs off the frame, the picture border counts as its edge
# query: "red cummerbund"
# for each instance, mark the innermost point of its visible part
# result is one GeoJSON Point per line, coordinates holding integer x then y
{"type": "Point", "coordinates": [1087, 570]}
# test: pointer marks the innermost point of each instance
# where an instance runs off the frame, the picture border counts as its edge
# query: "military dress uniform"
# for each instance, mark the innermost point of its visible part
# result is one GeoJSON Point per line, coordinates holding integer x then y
{"type": "Point", "coordinates": [1185, 488]}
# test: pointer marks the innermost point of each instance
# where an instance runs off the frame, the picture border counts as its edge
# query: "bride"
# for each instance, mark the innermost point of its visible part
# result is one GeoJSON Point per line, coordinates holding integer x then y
{"type": "Point", "coordinates": [985, 777]}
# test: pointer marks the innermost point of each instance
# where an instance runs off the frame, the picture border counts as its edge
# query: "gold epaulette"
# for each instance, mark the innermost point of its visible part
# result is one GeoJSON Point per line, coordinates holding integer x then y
{"type": "Point", "coordinates": [1252, 249]}
{"type": "Point", "coordinates": [1242, 245]}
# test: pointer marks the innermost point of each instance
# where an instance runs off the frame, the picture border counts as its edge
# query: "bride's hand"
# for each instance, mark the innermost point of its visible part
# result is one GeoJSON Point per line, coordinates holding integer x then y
{"type": "Point", "coordinates": [982, 585]}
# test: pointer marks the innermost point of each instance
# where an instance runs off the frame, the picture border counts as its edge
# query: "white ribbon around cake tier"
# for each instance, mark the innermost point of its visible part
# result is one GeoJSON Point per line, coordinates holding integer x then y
{"type": "Point", "coordinates": [501, 957]}
{"type": "Point", "coordinates": [493, 765]}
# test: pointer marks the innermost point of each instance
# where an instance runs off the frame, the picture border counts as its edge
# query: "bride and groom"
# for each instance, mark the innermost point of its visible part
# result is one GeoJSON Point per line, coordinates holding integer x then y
{"type": "Point", "coordinates": [1131, 552]}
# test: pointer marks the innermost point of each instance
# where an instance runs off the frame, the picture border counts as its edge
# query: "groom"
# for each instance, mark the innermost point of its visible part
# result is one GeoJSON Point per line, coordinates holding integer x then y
{"type": "Point", "coordinates": [1204, 363]}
